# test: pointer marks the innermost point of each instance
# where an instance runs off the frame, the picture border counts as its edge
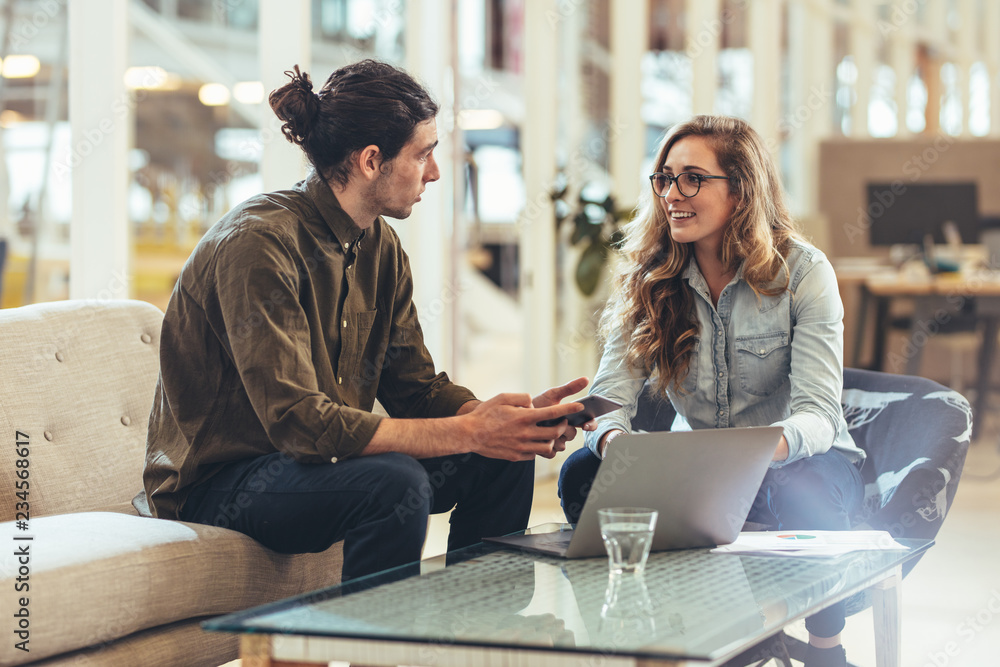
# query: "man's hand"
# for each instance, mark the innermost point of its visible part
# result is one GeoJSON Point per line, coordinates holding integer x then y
{"type": "Point", "coordinates": [552, 397]}
{"type": "Point", "coordinates": [506, 427]}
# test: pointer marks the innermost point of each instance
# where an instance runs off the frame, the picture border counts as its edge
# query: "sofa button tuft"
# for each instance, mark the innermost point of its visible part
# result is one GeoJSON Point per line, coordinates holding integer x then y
{"type": "Point", "coordinates": [59, 356]}
{"type": "Point", "coordinates": [126, 421]}
{"type": "Point", "coordinates": [48, 435]}
{"type": "Point", "coordinates": [146, 338]}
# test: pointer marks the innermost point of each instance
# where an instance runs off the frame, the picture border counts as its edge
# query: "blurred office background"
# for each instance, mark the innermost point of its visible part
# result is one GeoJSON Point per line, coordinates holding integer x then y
{"type": "Point", "coordinates": [129, 127]}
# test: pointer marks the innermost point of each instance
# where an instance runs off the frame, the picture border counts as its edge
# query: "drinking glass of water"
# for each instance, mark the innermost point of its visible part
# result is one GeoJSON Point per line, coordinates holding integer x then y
{"type": "Point", "coordinates": [628, 535]}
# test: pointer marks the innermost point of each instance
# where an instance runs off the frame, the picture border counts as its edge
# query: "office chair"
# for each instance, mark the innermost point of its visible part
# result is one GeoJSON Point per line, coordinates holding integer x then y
{"type": "Point", "coordinates": [916, 433]}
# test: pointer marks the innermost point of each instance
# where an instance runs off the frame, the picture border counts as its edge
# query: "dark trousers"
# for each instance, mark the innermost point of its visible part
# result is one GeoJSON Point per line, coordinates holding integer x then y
{"type": "Point", "coordinates": [819, 492]}
{"type": "Point", "coordinates": [378, 505]}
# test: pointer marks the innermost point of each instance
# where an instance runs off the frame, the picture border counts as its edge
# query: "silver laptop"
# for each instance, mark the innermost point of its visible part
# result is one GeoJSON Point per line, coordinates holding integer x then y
{"type": "Point", "coordinates": [702, 483]}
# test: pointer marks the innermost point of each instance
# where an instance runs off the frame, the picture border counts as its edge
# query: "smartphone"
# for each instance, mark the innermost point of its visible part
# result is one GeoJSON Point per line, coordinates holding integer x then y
{"type": "Point", "coordinates": [593, 406]}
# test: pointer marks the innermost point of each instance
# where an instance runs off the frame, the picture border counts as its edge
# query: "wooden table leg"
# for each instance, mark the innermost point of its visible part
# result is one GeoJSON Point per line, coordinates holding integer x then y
{"type": "Point", "coordinates": [987, 352]}
{"type": "Point", "coordinates": [923, 317]}
{"type": "Point", "coordinates": [859, 327]}
{"type": "Point", "coordinates": [887, 596]}
{"type": "Point", "coordinates": [881, 332]}
{"type": "Point", "coordinates": [255, 650]}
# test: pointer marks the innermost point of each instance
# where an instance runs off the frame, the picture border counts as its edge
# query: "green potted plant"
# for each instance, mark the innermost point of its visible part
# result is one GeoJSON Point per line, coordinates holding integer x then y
{"type": "Point", "coordinates": [596, 225]}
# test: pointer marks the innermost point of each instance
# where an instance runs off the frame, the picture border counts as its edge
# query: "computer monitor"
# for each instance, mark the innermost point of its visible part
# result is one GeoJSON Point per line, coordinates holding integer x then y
{"type": "Point", "coordinates": [906, 212]}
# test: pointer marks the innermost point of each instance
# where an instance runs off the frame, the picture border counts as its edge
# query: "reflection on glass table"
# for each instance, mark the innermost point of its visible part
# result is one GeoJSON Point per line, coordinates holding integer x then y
{"type": "Point", "coordinates": [628, 612]}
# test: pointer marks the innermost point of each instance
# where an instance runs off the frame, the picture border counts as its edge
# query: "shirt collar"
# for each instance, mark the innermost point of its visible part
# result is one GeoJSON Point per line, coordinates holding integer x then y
{"type": "Point", "coordinates": [692, 274]}
{"type": "Point", "coordinates": [343, 227]}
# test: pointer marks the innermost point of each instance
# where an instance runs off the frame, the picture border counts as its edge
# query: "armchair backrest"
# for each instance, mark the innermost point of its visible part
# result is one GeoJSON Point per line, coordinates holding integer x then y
{"type": "Point", "coordinates": [915, 431]}
{"type": "Point", "coordinates": [77, 378]}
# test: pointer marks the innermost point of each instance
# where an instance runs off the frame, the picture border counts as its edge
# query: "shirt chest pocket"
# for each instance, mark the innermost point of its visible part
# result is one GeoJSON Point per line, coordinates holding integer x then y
{"type": "Point", "coordinates": [764, 362]}
{"type": "Point", "coordinates": [357, 330]}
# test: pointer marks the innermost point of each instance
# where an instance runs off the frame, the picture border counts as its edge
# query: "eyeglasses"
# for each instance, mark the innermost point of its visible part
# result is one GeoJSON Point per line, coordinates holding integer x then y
{"type": "Point", "coordinates": [688, 182]}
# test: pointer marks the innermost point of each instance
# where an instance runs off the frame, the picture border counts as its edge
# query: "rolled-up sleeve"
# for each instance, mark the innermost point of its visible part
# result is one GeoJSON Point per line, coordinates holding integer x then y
{"type": "Point", "coordinates": [817, 368]}
{"type": "Point", "coordinates": [269, 339]}
{"type": "Point", "coordinates": [619, 382]}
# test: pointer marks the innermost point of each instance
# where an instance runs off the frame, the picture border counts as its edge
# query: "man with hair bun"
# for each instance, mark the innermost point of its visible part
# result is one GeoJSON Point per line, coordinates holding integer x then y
{"type": "Point", "coordinates": [292, 316]}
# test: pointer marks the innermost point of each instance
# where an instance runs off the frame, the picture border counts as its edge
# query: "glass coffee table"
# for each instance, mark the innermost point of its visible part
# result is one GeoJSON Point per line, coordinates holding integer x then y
{"type": "Point", "coordinates": [486, 605]}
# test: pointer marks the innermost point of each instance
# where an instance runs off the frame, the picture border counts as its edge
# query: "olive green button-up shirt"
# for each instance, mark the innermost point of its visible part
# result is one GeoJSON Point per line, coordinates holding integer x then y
{"type": "Point", "coordinates": [286, 323]}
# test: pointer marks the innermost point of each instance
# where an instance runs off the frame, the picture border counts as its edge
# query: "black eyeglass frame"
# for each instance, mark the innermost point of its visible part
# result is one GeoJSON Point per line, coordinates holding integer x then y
{"type": "Point", "coordinates": [672, 180]}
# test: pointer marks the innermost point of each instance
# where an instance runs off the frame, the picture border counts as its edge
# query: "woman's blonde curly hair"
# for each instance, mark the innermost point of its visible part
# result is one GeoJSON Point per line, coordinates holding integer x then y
{"type": "Point", "coordinates": [650, 300]}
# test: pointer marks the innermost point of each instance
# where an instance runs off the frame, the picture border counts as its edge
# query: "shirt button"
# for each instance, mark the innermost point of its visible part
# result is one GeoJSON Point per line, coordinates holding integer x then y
{"type": "Point", "coordinates": [718, 332]}
{"type": "Point", "coordinates": [347, 246]}
{"type": "Point", "coordinates": [146, 338]}
{"type": "Point", "coordinates": [59, 356]}
{"type": "Point", "coordinates": [762, 350]}
{"type": "Point", "coordinates": [722, 412]}
{"type": "Point", "coordinates": [126, 421]}
{"type": "Point", "coordinates": [345, 323]}
{"type": "Point", "coordinates": [721, 373]}
{"type": "Point", "coordinates": [340, 380]}
{"type": "Point", "coordinates": [333, 459]}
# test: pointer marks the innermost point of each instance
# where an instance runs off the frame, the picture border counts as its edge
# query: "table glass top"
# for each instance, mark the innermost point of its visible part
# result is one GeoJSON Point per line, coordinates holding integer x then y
{"type": "Point", "coordinates": [688, 604]}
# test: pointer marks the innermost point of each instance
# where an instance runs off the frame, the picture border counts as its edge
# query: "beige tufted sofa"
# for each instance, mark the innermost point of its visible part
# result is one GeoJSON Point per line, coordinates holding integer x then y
{"type": "Point", "coordinates": [107, 587]}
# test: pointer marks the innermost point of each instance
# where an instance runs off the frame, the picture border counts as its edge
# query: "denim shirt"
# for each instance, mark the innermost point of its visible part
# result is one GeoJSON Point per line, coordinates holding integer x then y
{"type": "Point", "coordinates": [767, 360]}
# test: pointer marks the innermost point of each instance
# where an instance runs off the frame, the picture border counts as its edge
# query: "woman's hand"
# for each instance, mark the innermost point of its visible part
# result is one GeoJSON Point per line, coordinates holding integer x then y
{"type": "Point", "coordinates": [781, 453]}
{"type": "Point", "coordinates": [608, 437]}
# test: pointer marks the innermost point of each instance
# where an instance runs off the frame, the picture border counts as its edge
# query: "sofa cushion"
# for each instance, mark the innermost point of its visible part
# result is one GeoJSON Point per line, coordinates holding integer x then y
{"type": "Point", "coordinates": [181, 644]}
{"type": "Point", "coordinates": [97, 576]}
{"type": "Point", "coordinates": [77, 377]}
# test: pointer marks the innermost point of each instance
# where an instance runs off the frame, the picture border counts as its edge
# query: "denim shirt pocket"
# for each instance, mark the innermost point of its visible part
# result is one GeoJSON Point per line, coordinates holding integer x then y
{"type": "Point", "coordinates": [764, 362]}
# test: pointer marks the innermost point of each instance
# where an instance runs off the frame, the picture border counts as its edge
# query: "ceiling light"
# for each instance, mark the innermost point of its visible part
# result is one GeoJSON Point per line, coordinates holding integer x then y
{"type": "Point", "coordinates": [20, 67]}
{"type": "Point", "coordinates": [214, 95]}
{"type": "Point", "coordinates": [480, 119]}
{"type": "Point", "coordinates": [9, 117]}
{"type": "Point", "coordinates": [151, 78]}
{"type": "Point", "coordinates": [249, 92]}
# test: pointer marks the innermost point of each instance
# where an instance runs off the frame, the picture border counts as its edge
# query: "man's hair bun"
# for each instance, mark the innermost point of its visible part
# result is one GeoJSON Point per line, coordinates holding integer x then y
{"type": "Point", "coordinates": [297, 105]}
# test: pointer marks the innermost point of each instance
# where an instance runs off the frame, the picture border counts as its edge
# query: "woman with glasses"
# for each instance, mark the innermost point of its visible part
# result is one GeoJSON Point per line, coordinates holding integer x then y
{"type": "Point", "coordinates": [737, 320]}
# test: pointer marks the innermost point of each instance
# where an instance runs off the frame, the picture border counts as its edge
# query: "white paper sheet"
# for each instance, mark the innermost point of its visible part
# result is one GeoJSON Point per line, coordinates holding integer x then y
{"type": "Point", "coordinates": [810, 543]}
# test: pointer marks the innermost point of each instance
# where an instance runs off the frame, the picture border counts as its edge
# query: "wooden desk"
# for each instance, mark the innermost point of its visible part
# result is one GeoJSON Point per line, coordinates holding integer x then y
{"type": "Point", "coordinates": [937, 299]}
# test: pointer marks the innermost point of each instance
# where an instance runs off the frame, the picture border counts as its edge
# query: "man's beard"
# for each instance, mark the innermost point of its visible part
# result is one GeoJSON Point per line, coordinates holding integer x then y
{"type": "Point", "coordinates": [380, 194]}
